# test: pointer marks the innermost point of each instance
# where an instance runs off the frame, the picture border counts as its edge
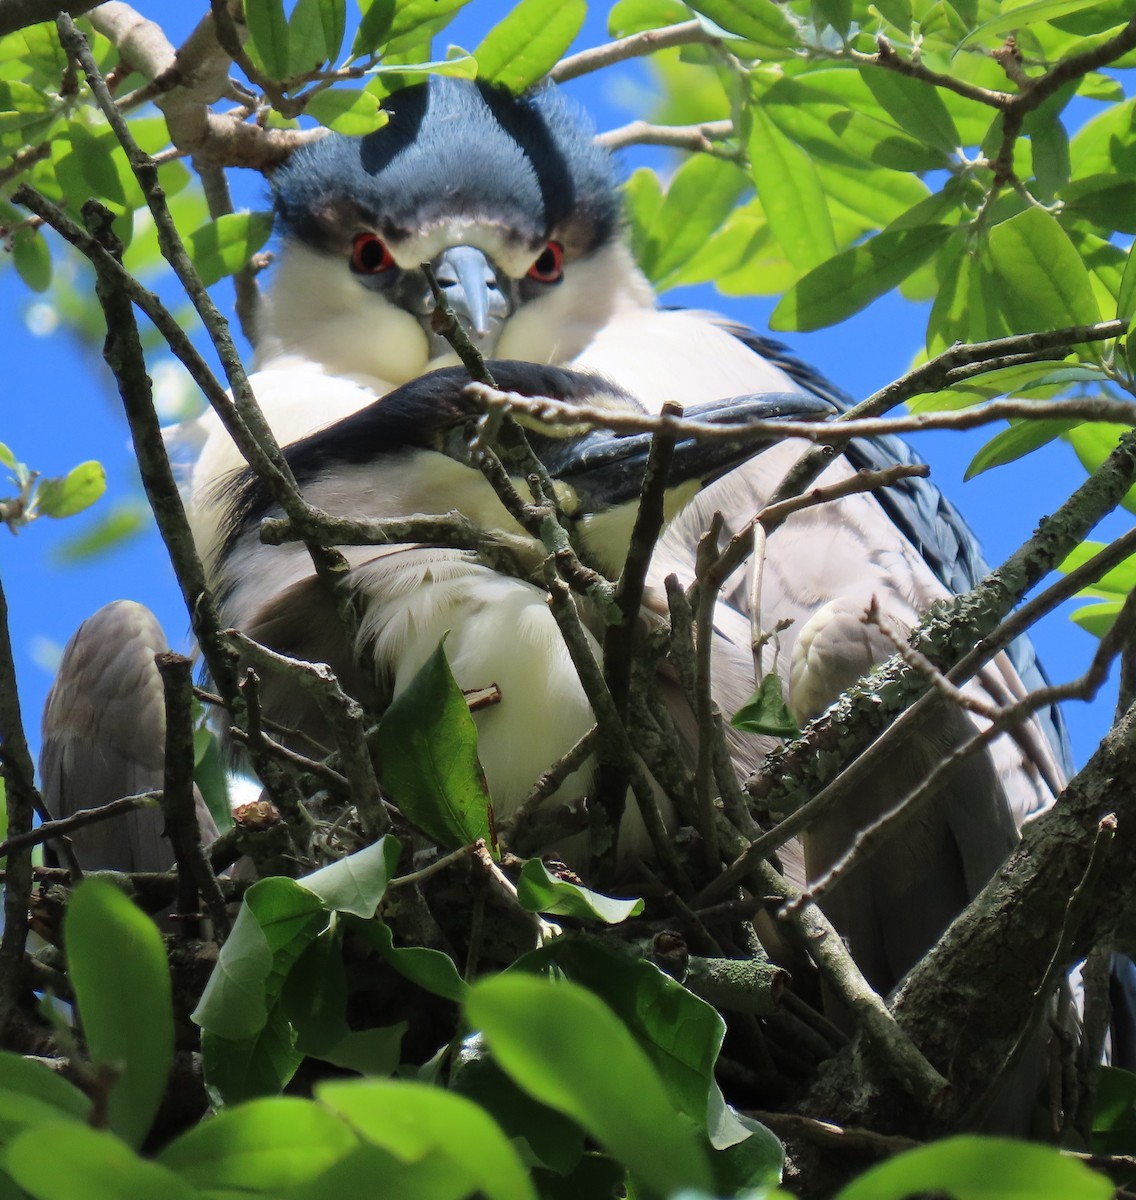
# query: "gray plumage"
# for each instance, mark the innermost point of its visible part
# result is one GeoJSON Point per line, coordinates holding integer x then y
{"type": "Point", "coordinates": [104, 730]}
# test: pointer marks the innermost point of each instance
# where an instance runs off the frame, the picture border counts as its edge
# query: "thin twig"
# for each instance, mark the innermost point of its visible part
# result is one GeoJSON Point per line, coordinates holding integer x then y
{"type": "Point", "coordinates": [345, 716]}
{"type": "Point", "coordinates": [46, 831]}
{"type": "Point", "coordinates": [687, 33]}
{"type": "Point", "coordinates": [179, 807]}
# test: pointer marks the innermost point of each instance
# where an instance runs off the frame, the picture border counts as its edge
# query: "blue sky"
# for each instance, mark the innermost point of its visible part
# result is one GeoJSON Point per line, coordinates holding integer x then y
{"type": "Point", "coordinates": [59, 408]}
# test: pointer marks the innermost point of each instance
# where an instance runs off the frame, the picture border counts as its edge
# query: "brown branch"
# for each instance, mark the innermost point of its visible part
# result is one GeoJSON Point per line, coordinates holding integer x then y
{"type": "Point", "coordinates": [46, 831]}
{"type": "Point", "coordinates": [179, 806]}
{"type": "Point", "coordinates": [688, 33]}
{"type": "Point", "coordinates": [22, 800]}
{"type": "Point", "coordinates": [19, 14]}
{"type": "Point", "coordinates": [704, 138]}
{"type": "Point", "coordinates": [345, 716]}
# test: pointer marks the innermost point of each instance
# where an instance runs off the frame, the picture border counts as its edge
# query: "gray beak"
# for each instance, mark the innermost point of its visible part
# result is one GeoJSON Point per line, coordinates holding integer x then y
{"type": "Point", "coordinates": [469, 281]}
{"type": "Point", "coordinates": [606, 469]}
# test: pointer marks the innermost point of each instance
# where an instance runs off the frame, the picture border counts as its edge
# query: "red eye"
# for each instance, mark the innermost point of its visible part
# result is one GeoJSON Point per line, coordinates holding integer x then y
{"type": "Point", "coordinates": [369, 254]}
{"type": "Point", "coordinates": [549, 266]}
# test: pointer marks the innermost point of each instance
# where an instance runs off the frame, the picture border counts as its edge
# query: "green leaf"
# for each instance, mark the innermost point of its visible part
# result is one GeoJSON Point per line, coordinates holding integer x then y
{"type": "Point", "coordinates": [568, 1050]}
{"type": "Point", "coordinates": [350, 111]}
{"type": "Point", "coordinates": [1049, 146]}
{"type": "Point", "coordinates": [32, 258]}
{"type": "Point", "coordinates": [306, 50]}
{"type": "Point", "coordinates": [701, 196]}
{"type": "Point", "coordinates": [62, 1162]}
{"type": "Point", "coordinates": [766, 711]}
{"type": "Point", "coordinates": [551, 1137]}
{"type": "Point", "coordinates": [415, 1121]}
{"type": "Point", "coordinates": [315, 1003]}
{"type": "Point", "coordinates": [77, 490]}
{"type": "Point", "coordinates": [225, 245]}
{"type": "Point", "coordinates": [333, 18]}
{"type": "Point", "coordinates": [1022, 438]}
{"type": "Point", "coordinates": [432, 970]}
{"type": "Point", "coordinates": [680, 1033]}
{"type": "Point", "coordinates": [832, 113]}
{"type": "Point", "coordinates": [7, 457]}
{"type": "Point", "coordinates": [1114, 1121]}
{"type": "Point", "coordinates": [980, 1168]}
{"type": "Point", "coordinates": [759, 21]}
{"type": "Point", "coordinates": [1097, 619]}
{"type": "Point", "coordinates": [1022, 16]}
{"type": "Point", "coordinates": [418, 21]}
{"type": "Point", "coordinates": [756, 1161]}
{"type": "Point", "coordinates": [433, 1177]}
{"type": "Point", "coordinates": [1045, 282]}
{"type": "Point", "coordinates": [265, 1146]}
{"type": "Point", "coordinates": [374, 26]}
{"type": "Point", "coordinates": [634, 16]}
{"type": "Point", "coordinates": [915, 107]}
{"type": "Point", "coordinates": [110, 529]}
{"type": "Point", "coordinates": [268, 36]}
{"type": "Point", "coordinates": [853, 279]}
{"type": "Point", "coordinates": [1103, 200]}
{"type": "Point", "coordinates": [539, 891]}
{"type": "Point", "coordinates": [247, 1042]}
{"type": "Point", "coordinates": [357, 883]}
{"type": "Point", "coordinates": [1093, 442]}
{"type": "Point", "coordinates": [1117, 582]}
{"type": "Point", "coordinates": [529, 42]}
{"type": "Point", "coordinates": [836, 13]}
{"type": "Point", "coordinates": [642, 199]}
{"type": "Point", "coordinates": [209, 772]}
{"type": "Point", "coordinates": [1126, 300]}
{"type": "Point", "coordinates": [428, 749]}
{"type": "Point", "coordinates": [791, 194]}
{"type": "Point", "coordinates": [117, 965]}
{"type": "Point", "coordinates": [36, 1082]}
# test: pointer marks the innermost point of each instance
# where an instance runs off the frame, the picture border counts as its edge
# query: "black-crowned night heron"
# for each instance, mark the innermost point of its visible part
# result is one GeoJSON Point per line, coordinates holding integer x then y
{"type": "Point", "coordinates": [517, 211]}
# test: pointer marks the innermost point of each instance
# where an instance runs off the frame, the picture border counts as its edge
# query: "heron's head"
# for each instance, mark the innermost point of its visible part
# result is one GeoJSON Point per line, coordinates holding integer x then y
{"type": "Point", "coordinates": [506, 198]}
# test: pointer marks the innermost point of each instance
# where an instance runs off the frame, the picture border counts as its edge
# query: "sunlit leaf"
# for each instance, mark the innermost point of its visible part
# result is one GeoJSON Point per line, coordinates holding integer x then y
{"type": "Point", "coordinates": [64, 1161]}
{"type": "Point", "coordinates": [700, 197]}
{"type": "Point", "coordinates": [117, 966]}
{"type": "Point", "coordinates": [350, 111]}
{"type": "Point", "coordinates": [77, 490]}
{"type": "Point", "coordinates": [414, 1122]}
{"type": "Point", "coordinates": [1020, 439]}
{"type": "Point", "coordinates": [248, 1045]}
{"type": "Point", "coordinates": [981, 1168]}
{"type": "Point", "coordinates": [539, 891]}
{"type": "Point", "coordinates": [265, 1146]}
{"type": "Point", "coordinates": [226, 244]}
{"type": "Point", "coordinates": [1045, 283]}
{"type": "Point", "coordinates": [791, 195]}
{"type": "Point", "coordinates": [568, 1050]}
{"type": "Point", "coordinates": [528, 42]}
{"type": "Point", "coordinates": [760, 21]}
{"type": "Point", "coordinates": [357, 883]}
{"type": "Point", "coordinates": [853, 279]}
{"type": "Point", "coordinates": [268, 36]}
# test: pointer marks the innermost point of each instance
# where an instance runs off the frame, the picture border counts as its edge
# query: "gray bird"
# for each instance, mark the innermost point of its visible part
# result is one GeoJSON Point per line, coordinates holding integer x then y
{"type": "Point", "coordinates": [104, 731]}
{"type": "Point", "coordinates": [517, 211]}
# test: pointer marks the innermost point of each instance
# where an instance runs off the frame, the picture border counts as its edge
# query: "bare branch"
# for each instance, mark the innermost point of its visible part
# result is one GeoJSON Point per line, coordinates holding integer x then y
{"type": "Point", "coordinates": [688, 33]}
{"type": "Point", "coordinates": [702, 138]}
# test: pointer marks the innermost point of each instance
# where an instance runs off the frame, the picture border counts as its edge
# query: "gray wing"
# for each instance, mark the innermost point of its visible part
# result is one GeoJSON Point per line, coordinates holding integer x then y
{"type": "Point", "coordinates": [104, 737]}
